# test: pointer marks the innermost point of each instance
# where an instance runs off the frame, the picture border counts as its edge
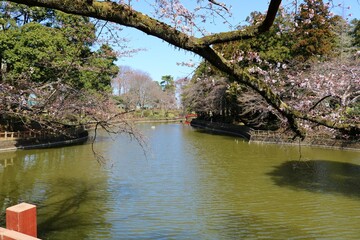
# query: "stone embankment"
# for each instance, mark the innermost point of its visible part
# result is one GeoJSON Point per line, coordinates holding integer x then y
{"type": "Point", "coordinates": [10, 141]}
{"type": "Point", "coordinates": [223, 128]}
{"type": "Point", "coordinates": [258, 136]}
{"type": "Point", "coordinates": [325, 141]}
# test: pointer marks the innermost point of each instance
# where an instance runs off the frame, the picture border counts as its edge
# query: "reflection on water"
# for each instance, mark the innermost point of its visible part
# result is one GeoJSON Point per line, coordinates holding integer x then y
{"type": "Point", "coordinates": [319, 176]}
{"type": "Point", "coordinates": [190, 185]}
{"type": "Point", "coordinates": [65, 190]}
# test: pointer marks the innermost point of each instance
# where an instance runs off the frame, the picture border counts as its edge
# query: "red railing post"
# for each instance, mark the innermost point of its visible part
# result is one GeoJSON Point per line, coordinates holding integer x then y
{"type": "Point", "coordinates": [22, 218]}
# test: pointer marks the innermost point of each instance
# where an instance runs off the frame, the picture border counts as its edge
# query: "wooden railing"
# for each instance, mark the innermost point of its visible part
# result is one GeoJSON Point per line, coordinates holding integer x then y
{"type": "Point", "coordinates": [33, 134]}
{"type": "Point", "coordinates": [19, 134]}
{"type": "Point", "coordinates": [274, 134]}
{"type": "Point", "coordinates": [280, 137]}
{"type": "Point", "coordinates": [269, 136]}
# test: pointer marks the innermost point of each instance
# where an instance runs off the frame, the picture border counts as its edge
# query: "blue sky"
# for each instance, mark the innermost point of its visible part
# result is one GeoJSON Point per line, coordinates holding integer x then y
{"type": "Point", "coordinates": [161, 59]}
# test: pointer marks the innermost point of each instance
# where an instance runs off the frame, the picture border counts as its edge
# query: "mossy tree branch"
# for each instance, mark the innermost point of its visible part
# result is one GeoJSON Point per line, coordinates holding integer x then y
{"type": "Point", "coordinates": [126, 16]}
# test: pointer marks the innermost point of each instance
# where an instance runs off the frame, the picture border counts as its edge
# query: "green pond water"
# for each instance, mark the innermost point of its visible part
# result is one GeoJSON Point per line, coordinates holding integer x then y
{"type": "Point", "coordinates": [188, 185]}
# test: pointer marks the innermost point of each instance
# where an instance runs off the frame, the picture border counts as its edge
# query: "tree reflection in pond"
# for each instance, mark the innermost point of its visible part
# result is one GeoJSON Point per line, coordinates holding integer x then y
{"type": "Point", "coordinates": [67, 185]}
{"type": "Point", "coordinates": [319, 176]}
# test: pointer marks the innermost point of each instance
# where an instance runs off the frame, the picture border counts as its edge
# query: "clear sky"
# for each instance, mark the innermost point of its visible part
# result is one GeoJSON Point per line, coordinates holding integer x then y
{"type": "Point", "coordinates": [161, 59]}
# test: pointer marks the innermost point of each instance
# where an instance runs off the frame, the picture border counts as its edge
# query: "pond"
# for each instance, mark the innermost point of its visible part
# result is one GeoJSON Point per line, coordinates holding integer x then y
{"type": "Point", "coordinates": [188, 185]}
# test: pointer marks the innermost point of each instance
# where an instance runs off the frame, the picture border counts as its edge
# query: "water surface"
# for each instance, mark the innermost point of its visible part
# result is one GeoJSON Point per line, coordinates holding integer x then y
{"type": "Point", "coordinates": [189, 185]}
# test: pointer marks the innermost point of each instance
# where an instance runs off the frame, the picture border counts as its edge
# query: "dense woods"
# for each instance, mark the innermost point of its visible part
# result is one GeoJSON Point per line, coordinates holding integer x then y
{"type": "Point", "coordinates": [136, 90]}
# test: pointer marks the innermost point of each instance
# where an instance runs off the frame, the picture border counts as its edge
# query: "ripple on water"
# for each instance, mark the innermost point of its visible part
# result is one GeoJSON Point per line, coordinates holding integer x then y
{"type": "Point", "coordinates": [194, 186]}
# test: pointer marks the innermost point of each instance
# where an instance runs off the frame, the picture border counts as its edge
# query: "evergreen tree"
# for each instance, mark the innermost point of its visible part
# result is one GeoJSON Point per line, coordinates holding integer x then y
{"type": "Point", "coordinates": [48, 46]}
{"type": "Point", "coordinates": [355, 33]}
{"type": "Point", "coordinates": [313, 35]}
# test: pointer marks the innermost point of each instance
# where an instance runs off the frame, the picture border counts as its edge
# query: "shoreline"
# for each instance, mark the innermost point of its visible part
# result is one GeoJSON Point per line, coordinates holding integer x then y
{"type": "Point", "coordinates": [247, 133]}
{"type": "Point", "coordinates": [14, 144]}
{"type": "Point", "coordinates": [223, 128]}
{"type": "Point", "coordinates": [24, 143]}
{"type": "Point", "coordinates": [270, 137]}
{"type": "Point", "coordinates": [356, 149]}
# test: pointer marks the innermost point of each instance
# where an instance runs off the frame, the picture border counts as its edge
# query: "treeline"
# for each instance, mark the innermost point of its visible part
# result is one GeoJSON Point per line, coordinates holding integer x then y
{"type": "Point", "coordinates": [136, 90]}
{"type": "Point", "coordinates": [55, 71]}
{"type": "Point", "coordinates": [310, 58]}
{"type": "Point", "coordinates": [43, 45]}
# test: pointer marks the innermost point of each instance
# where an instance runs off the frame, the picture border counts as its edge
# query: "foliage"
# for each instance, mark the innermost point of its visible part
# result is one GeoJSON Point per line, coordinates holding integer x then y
{"type": "Point", "coordinates": [313, 35]}
{"type": "Point", "coordinates": [51, 76]}
{"type": "Point", "coordinates": [51, 45]}
{"type": "Point", "coordinates": [356, 32]}
{"type": "Point", "coordinates": [136, 89]}
{"type": "Point", "coordinates": [32, 49]}
{"type": "Point", "coordinates": [52, 107]}
{"type": "Point", "coordinates": [205, 95]}
{"type": "Point", "coordinates": [168, 84]}
{"type": "Point", "coordinates": [100, 70]}
{"type": "Point", "coordinates": [270, 57]}
{"type": "Point", "coordinates": [175, 24]}
{"type": "Point", "coordinates": [155, 114]}
{"type": "Point", "coordinates": [169, 89]}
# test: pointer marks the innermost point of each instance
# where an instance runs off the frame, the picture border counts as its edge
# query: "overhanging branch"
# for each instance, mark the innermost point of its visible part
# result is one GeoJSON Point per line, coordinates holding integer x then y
{"type": "Point", "coordinates": [345, 127]}
{"type": "Point", "coordinates": [124, 15]}
{"type": "Point", "coordinates": [228, 36]}
{"type": "Point", "coordinates": [270, 16]}
{"type": "Point", "coordinates": [248, 33]}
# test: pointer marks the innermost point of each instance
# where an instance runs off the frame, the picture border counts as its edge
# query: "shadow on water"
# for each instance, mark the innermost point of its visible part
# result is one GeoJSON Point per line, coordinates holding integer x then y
{"type": "Point", "coordinates": [243, 135]}
{"type": "Point", "coordinates": [72, 210]}
{"type": "Point", "coordinates": [321, 176]}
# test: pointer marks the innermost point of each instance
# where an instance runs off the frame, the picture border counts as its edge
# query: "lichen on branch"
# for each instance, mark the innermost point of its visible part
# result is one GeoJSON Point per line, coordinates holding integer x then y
{"type": "Point", "coordinates": [124, 15]}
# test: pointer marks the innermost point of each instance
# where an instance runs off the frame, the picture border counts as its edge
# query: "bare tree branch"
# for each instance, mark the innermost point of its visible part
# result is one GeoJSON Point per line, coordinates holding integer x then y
{"type": "Point", "coordinates": [270, 16]}
{"type": "Point", "coordinates": [318, 102]}
{"type": "Point", "coordinates": [219, 4]}
{"type": "Point", "coordinates": [125, 15]}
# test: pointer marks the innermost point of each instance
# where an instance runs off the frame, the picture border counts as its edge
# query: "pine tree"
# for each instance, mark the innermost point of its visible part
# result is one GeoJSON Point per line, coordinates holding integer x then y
{"type": "Point", "coordinates": [314, 37]}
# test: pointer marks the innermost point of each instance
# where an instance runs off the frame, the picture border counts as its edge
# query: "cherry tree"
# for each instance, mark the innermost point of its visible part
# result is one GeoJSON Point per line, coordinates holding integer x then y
{"type": "Point", "coordinates": [176, 24]}
{"type": "Point", "coordinates": [55, 107]}
{"type": "Point", "coordinates": [330, 89]}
